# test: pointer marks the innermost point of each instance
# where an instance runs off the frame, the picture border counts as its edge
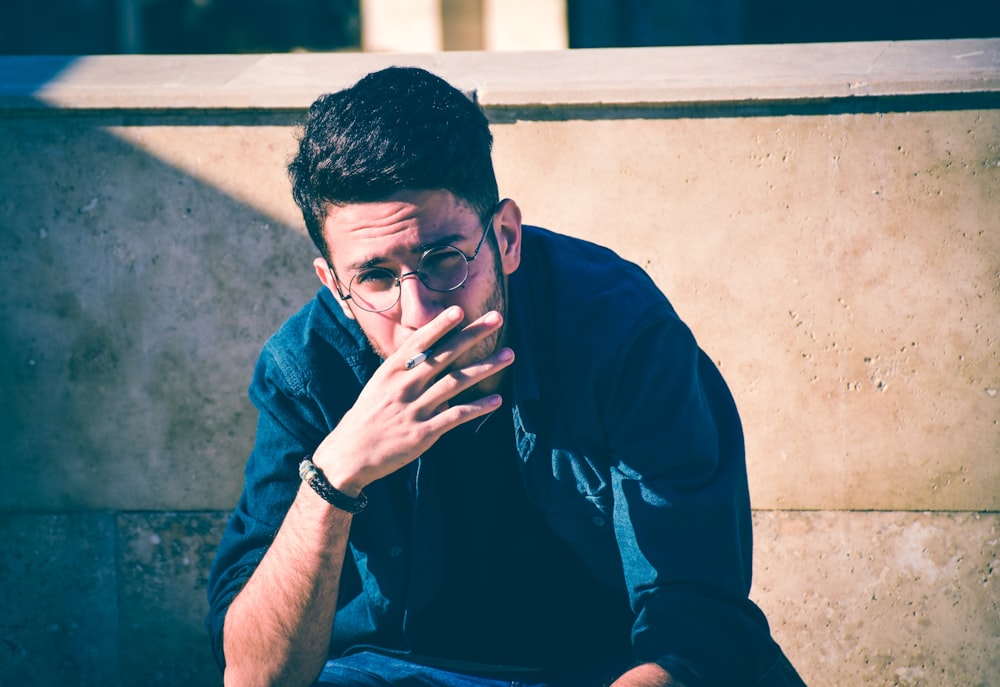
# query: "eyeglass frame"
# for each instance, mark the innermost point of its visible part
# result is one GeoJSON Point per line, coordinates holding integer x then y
{"type": "Point", "coordinates": [487, 225]}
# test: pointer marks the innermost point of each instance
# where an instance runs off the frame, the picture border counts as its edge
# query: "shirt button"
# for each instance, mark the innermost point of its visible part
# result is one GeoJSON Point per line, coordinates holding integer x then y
{"type": "Point", "coordinates": [396, 551]}
{"type": "Point", "coordinates": [598, 521]}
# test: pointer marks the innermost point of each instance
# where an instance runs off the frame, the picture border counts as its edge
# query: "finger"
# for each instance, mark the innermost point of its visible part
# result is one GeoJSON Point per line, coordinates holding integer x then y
{"type": "Point", "coordinates": [455, 382]}
{"type": "Point", "coordinates": [458, 342]}
{"type": "Point", "coordinates": [453, 416]}
{"type": "Point", "coordinates": [419, 346]}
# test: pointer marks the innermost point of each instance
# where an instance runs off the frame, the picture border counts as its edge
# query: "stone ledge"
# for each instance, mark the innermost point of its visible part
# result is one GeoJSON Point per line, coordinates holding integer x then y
{"type": "Point", "coordinates": [628, 76]}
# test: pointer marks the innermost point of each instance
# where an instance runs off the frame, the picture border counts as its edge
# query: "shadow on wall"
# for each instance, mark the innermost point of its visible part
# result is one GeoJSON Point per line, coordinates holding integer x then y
{"type": "Point", "coordinates": [136, 299]}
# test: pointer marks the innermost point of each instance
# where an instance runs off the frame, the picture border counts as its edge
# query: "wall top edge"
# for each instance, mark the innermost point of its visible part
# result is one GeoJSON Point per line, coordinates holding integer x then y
{"type": "Point", "coordinates": [617, 76]}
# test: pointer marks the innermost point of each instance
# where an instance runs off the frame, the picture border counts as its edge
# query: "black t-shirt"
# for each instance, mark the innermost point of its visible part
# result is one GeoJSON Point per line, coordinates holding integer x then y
{"type": "Point", "coordinates": [513, 594]}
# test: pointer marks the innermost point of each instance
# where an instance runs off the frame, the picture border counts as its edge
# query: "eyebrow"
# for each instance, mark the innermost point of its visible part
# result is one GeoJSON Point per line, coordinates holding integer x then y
{"type": "Point", "coordinates": [419, 249]}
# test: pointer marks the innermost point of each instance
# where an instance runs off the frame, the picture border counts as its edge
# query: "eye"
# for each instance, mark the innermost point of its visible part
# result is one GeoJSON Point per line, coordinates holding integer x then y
{"type": "Point", "coordinates": [442, 260]}
{"type": "Point", "coordinates": [375, 279]}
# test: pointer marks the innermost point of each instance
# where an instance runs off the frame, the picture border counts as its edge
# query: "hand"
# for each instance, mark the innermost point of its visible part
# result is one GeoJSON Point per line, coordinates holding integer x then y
{"type": "Point", "coordinates": [400, 413]}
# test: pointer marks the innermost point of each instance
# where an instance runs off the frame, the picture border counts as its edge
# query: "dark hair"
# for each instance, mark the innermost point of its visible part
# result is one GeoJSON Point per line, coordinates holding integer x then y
{"type": "Point", "coordinates": [400, 128]}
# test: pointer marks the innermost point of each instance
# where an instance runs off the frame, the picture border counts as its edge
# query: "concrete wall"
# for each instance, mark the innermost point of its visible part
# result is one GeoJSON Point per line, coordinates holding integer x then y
{"type": "Point", "coordinates": [825, 217]}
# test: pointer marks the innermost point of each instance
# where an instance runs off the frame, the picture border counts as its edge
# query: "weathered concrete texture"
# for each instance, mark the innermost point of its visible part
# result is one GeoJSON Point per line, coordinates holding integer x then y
{"type": "Point", "coordinates": [602, 78]}
{"type": "Point", "coordinates": [136, 299]}
{"type": "Point", "coordinates": [163, 564]}
{"type": "Point", "coordinates": [883, 599]}
{"type": "Point", "coordinates": [106, 600]}
{"type": "Point", "coordinates": [842, 269]}
{"type": "Point", "coordinates": [58, 609]}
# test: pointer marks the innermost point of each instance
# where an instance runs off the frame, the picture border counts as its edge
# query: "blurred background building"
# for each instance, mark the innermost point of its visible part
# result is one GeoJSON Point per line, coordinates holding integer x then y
{"type": "Point", "coordinates": [77, 27]}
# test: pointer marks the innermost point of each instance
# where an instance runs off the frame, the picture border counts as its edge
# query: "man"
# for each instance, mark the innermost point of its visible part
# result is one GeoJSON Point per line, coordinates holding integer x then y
{"type": "Point", "coordinates": [419, 508]}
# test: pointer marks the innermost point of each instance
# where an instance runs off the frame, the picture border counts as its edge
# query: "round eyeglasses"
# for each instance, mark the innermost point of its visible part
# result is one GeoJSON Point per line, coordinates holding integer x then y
{"type": "Point", "coordinates": [441, 269]}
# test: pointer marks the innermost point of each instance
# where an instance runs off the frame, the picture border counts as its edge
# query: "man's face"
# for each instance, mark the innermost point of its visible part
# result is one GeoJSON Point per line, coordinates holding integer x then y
{"type": "Point", "coordinates": [393, 234]}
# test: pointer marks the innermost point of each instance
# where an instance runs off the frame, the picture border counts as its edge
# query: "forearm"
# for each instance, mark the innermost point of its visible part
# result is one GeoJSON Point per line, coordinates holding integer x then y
{"type": "Point", "coordinates": [647, 675]}
{"type": "Point", "coordinates": [277, 630]}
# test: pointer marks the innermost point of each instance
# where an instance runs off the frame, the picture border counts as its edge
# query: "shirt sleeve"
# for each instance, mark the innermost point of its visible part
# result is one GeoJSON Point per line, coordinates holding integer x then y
{"type": "Point", "coordinates": [681, 508]}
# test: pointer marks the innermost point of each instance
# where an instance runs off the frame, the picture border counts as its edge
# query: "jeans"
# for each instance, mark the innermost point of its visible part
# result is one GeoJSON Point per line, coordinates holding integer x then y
{"type": "Point", "coordinates": [369, 669]}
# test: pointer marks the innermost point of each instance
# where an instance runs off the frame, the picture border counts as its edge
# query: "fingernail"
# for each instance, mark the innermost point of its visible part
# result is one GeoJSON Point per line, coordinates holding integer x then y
{"type": "Point", "coordinates": [505, 355]}
{"type": "Point", "coordinates": [453, 313]}
{"type": "Point", "coordinates": [492, 318]}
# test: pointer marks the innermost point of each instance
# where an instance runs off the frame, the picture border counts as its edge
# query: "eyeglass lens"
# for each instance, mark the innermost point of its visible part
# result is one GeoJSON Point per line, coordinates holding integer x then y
{"type": "Point", "coordinates": [440, 269]}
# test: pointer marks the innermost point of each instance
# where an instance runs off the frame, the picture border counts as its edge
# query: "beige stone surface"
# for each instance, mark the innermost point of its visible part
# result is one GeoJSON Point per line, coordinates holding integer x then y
{"type": "Point", "coordinates": [842, 270]}
{"type": "Point", "coordinates": [606, 77]}
{"type": "Point", "coordinates": [882, 599]}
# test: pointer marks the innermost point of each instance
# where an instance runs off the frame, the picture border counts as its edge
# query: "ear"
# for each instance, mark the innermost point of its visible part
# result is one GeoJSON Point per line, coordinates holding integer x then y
{"type": "Point", "coordinates": [508, 232]}
{"type": "Point", "coordinates": [325, 274]}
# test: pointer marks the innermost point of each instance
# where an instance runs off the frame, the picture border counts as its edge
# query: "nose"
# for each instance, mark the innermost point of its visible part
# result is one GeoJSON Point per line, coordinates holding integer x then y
{"type": "Point", "coordinates": [418, 304]}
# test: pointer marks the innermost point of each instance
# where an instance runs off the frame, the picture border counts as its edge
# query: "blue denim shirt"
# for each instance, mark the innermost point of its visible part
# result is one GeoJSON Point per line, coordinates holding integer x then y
{"type": "Point", "coordinates": [629, 443]}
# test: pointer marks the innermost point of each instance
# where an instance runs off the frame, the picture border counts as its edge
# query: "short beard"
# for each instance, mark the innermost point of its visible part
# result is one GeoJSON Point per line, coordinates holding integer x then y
{"type": "Point", "coordinates": [497, 301]}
